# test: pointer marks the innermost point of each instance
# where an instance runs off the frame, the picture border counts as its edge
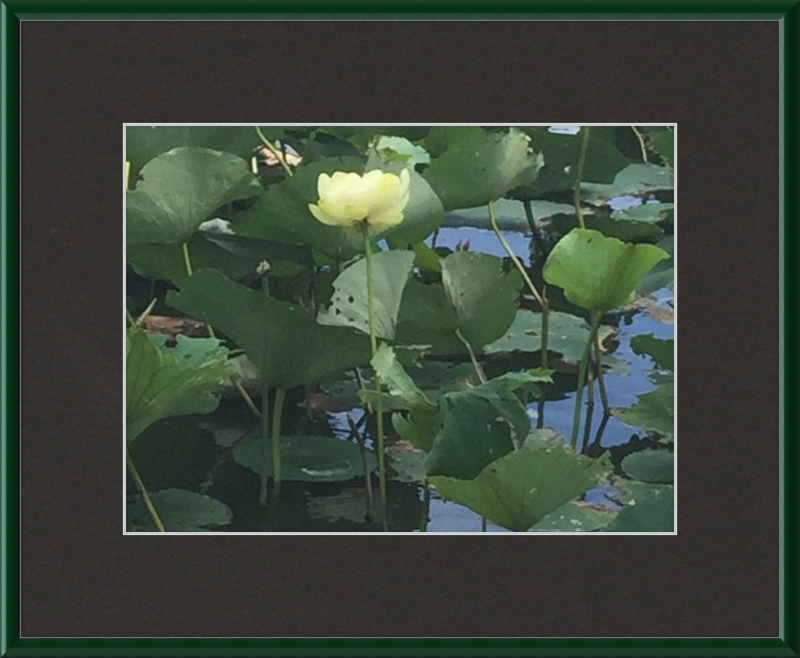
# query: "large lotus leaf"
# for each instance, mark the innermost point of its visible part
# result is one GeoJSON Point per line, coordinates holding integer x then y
{"type": "Point", "coordinates": [426, 317]}
{"type": "Point", "coordinates": [567, 335]}
{"type": "Point", "coordinates": [479, 166]}
{"type": "Point", "coordinates": [281, 339]}
{"type": "Point", "coordinates": [663, 274]}
{"type": "Point", "coordinates": [484, 297]}
{"type": "Point", "coordinates": [656, 466]}
{"type": "Point", "coordinates": [180, 190]}
{"type": "Point", "coordinates": [596, 272]}
{"type": "Point", "coordinates": [179, 511]}
{"type": "Point", "coordinates": [281, 212]}
{"type": "Point", "coordinates": [521, 488]}
{"type": "Point", "coordinates": [160, 383]}
{"type": "Point", "coordinates": [349, 305]}
{"type": "Point", "coordinates": [654, 411]}
{"type": "Point", "coordinates": [635, 179]}
{"type": "Point", "coordinates": [662, 351]}
{"type": "Point", "coordinates": [650, 509]}
{"type": "Point", "coordinates": [576, 516]}
{"type": "Point", "coordinates": [475, 430]}
{"type": "Point", "coordinates": [562, 150]}
{"type": "Point", "coordinates": [424, 212]}
{"type": "Point", "coordinates": [143, 143]}
{"type": "Point", "coordinates": [309, 458]}
{"type": "Point", "coordinates": [235, 256]}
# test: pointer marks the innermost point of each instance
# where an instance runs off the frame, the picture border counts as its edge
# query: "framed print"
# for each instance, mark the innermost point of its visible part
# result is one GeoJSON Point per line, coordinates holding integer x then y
{"type": "Point", "coordinates": [392, 271]}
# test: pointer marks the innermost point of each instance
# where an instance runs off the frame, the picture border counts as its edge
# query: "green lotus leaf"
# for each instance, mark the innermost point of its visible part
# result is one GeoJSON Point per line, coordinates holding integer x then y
{"type": "Point", "coordinates": [160, 383]}
{"type": "Point", "coordinates": [660, 350]}
{"type": "Point", "coordinates": [180, 511]}
{"type": "Point", "coordinates": [654, 411]}
{"type": "Point", "coordinates": [349, 305]}
{"type": "Point", "coordinates": [650, 509]}
{"type": "Point", "coordinates": [596, 272]}
{"type": "Point", "coordinates": [518, 490]}
{"type": "Point", "coordinates": [657, 466]}
{"type": "Point", "coordinates": [283, 340]}
{"type": "Point", "coordinates": [180, 190]}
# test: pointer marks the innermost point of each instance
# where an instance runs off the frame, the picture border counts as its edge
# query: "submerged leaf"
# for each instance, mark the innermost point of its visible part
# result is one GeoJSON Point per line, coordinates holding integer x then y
{"type": "Point", "coordinates": [309, 458]}
{"type": "Point", "coordinates": [518, 490]}
{"type": "Point", "coordinates": [596, 272]}
{"type": "Point", "coordinates": [179, 511]}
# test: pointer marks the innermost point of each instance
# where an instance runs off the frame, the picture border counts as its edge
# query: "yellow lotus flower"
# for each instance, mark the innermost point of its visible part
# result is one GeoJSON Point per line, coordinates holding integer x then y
{"type": "Point", "coordinates": [376, 199]}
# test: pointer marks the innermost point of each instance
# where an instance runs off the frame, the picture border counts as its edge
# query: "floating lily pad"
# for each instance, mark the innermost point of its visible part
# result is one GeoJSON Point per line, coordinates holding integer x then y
{"type": "Point", "coordinates": [660, 350]}
{"type": "Point", "coordinates": [350, 505]}
{"type": "Point", "coordinates": [622, 228]}
{"type": "Point", "coordinates": [656, 466]}
{"type": "Point", "coordinates": [650, 509]}
{"type": "Point", "coordinates": [520, 489]}
{"type": "Point", "coordinates": [478, 166]}
{"type": "Point", "coordinates": [282, 339]}
{"type": "Point", "coordinates": [654, 411]}
{"type": "Point", "coordinates": [567, 335]}
{"type": "Point", "coordinates": [160, 383]}
{"type": "Point", "coordinates": [634, 180]}
{"type": "Point", "coordinates": [349, 305]}
{"type": "Point", "coordinates": [596, 272]}
{"type": "Point", "coordinates": [179, 511]}
{"type": "Point", "coordinates": [309, 458]}
{"type": "Point", "coordinates": [576, 516]}
{"type": "Point", "coordinates": [181, 189]}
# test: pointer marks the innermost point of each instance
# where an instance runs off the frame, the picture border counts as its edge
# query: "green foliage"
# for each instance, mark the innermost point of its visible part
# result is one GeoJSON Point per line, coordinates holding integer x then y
{"type": "Point", "coordinates": [650, 509]}
{"type": "Point", "coordinates": [576, 516]}
{"type": "Point", "coordinates": [309, 459]}
{"type": "Point", "coordinates": [181, 189]}
{"type": "Point", "coordinates": [520, 489]}
{"type": "Point", "coordinates": [281, 339]}
{"type": "Point", "coordinates": [476, 298]}
{"type": "Point", "coordinates": [160, 382]}
{"type": "Point", "coordinates": [349, 305]}
{"type": "Point", "coordinates": [596, 272]}
{"type": "Point", "coordinates": [477, 166]}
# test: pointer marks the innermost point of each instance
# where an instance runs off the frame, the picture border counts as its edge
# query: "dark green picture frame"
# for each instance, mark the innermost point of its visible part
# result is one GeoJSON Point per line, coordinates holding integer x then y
{"type": "Point", "coordinates": [787, 11]}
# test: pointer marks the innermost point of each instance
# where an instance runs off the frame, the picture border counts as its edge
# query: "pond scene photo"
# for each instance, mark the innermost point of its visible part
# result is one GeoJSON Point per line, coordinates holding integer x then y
{"type": "Point", "coordinates": [369, 329]}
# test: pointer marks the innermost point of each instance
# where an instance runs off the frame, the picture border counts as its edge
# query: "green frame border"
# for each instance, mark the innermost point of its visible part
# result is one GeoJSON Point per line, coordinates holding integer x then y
{"type": "Point", "coordinates": [11, 12]}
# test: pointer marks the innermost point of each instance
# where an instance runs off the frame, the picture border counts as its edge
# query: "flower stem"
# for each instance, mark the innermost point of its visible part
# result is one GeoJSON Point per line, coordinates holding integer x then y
{"type": "Point", "coordinates": [541, 298]}
{"type": "Point", "coordinates": [472, 357]}
{"type": "Point", "coordinates": [373, 339]}
{"type": "Point", "coordinates": [280, 396]}
{"type": "Point", "coordinates": [640, 137]}
{"type": "Point", "coordinates": [275, 151]}
{"type": "Point", "coordinates": [263, 493]}
{"type": "Point", "coordinates": [579, 176]}
{"type": "Point", "coordinates": [601, 382]}
{"type": "Point", "coordinates": [151, 510]}
{"type": "Point", "coordinates": [247, 399]}
{"type": "Point", "coordinates": [576, 417]}
{"type": "Point", "coordinates": [187, 261]}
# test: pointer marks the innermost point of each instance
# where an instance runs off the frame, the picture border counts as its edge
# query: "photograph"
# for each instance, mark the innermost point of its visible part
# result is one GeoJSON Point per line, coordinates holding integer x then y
{"type": "Point", "coordinates": [362, 329]}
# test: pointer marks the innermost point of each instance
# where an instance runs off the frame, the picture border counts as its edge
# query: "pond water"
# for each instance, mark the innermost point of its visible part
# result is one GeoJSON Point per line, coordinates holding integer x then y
{"type": "Point", "coordinates": [192, 452]}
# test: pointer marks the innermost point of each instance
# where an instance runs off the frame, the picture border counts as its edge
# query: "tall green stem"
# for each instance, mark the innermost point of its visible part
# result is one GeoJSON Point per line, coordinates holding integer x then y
{"type": "Point", "coordinates": [576, 417]}
{"type": "Point", "coordinates": [265, 452]}
{"type": "Point", "coordinates": [373, 339]}
{"type": "Point", "coordinates": [477, 366]}
{"type": "Point", "coordinates": [579, 175]}
{"type": "Point", "coordinates": [280, 396]}
{"type": "Point", "coordinates": [527, 279]}
{"type": "Point", "coordinates": [186, 260]}
{"type": "Point", "coordinates": [151, 510]}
